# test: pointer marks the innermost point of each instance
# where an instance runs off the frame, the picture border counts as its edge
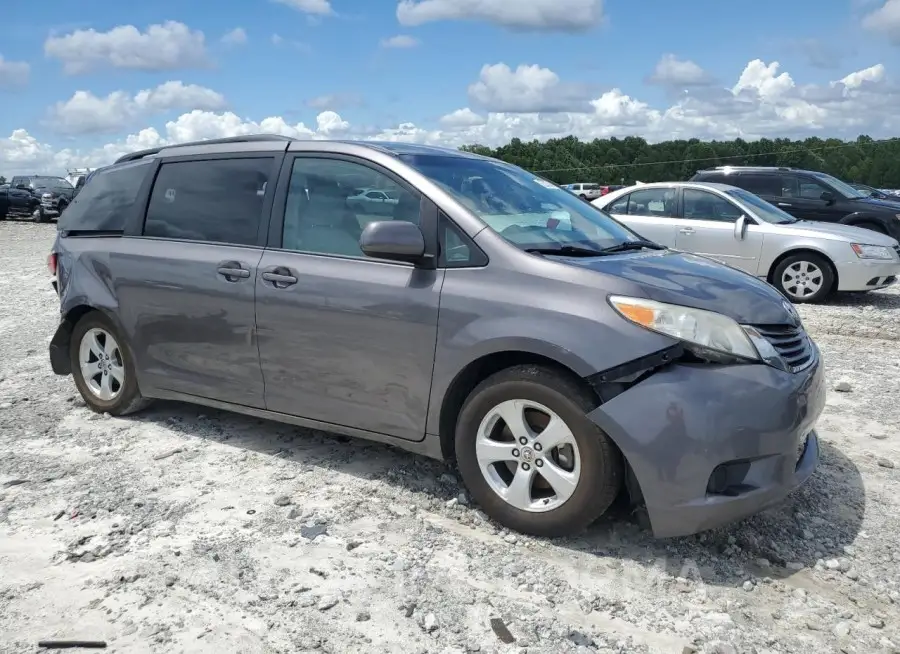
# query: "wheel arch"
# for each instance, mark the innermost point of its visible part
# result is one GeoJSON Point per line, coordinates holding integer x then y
{"type": "Point", "coordinates": [770, 275]}
{"type": "Point", "coordinates": [61, 343]}
{"type": "Point", "coordinates": [859, 219]}
{"type": "Point", "coordinates": [477, 371]}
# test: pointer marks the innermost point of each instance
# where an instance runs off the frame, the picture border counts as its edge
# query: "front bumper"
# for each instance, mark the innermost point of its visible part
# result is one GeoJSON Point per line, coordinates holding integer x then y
{"type": "Point", "coordinates": [709, 445]}
{"type": "Point", "coordinates": [867, 275]}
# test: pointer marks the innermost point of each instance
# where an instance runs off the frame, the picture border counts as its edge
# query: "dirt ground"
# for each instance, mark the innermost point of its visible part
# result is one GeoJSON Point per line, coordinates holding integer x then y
{"type": "Point", "coordinates": [183, 529]}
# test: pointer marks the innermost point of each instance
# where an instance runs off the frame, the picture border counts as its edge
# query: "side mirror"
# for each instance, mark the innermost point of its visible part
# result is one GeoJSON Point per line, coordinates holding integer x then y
{"type": "Point", "coordinates": [828, 196]}
{"type": "Point", "coordinates": [740, 228]}
{"type": "Point", "coordinates": [396, 240]}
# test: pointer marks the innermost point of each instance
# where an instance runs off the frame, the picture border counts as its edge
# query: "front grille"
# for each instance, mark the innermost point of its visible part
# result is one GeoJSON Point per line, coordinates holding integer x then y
{"type": "Point", "coordinates": [791, 343]}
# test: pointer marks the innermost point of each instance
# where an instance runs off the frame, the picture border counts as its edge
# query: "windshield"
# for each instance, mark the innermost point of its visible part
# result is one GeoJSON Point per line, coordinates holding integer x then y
{"type": "Point", "coordinates": [762, 209]}
{"type": "Point", "coordinates": [528, 211]}
{"type": "Point", "coordinates": [841, 187]}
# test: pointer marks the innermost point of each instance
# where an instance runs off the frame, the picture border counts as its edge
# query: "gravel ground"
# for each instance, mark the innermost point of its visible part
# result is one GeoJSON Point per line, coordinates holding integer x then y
{"type": "Point", "coordinates": [188, 530]}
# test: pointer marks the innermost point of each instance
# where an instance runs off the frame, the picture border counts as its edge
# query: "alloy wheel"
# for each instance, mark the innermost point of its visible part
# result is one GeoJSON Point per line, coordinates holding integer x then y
{"type": "Point", "coordinates": [102, 366]}
{"type": "Point", "coordinates": [528, 455]}
{"type": "Point", "coordinates": [802, 279]}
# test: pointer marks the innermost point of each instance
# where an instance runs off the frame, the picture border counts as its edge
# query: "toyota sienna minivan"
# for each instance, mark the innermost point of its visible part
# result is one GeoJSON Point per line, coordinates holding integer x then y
{"type": "Point", "coordinates": [487, 317]}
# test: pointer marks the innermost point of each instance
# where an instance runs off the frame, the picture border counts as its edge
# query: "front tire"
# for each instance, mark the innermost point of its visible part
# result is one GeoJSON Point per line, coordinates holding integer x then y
{"type": "Point", "coordinates": [804, 277]}
{"type": "Point", "coordinates": [103, 368]}
{"type": "Point", "coordinates": [38, 215]}
{"type": "Point", "coordinates": [530, 456]}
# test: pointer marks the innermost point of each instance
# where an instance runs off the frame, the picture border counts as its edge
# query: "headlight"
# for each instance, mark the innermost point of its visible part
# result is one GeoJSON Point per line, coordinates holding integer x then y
{"type": "Point", "coordinates": [871, 251]}
{"type": "Point", "coordinates": [704, 328]}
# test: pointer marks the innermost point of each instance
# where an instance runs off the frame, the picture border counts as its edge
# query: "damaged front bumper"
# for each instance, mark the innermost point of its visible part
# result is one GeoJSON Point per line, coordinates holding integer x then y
{"type": "Point", "coordinates": [710, 444]}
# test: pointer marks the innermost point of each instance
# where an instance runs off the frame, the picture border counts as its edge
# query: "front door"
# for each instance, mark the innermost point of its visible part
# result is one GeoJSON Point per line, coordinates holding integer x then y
{"type": "Point", "coordinates": [650, 212]}
{"type": "Point", "coordinates": [707, 228]}
{"type": "Point", "coordinates": [802, 198]}
{"type": "Point", "coordinates": [186, 288]}
{"type": "Point", "coordinates": [344, 339]}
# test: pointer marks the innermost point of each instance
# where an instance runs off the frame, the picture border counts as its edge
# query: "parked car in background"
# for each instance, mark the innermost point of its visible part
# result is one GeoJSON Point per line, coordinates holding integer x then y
{"type": "Point", "coordinates": [557, 364]}
{"type": "Point", "coordinates": [804, 260]}
{"type": "Point", "coordinates": [373, 201]}
{"type": "Point", "coordinates": [810, 195]}
{"type": "Point", "coordinates": [53, 195]}
{"type": "Point", "coordinates": [17, 200]}
{"type": "Point", "coordinates": [77, 177]}
{"type": "Point", "coordinates": [584, 190]}
{"type": "Point", "coordinates": [610, 188]}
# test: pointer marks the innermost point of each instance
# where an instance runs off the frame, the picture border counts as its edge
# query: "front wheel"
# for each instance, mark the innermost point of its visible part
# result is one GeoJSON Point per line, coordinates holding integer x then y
{"type": "Point", "coordinates": [38, 215]}
{"type": "Point", "coordinates": [804, 277]}
{"type": "Point", "coordinates": [102, 367]}
{"type": "Point", "coordinates": [530, 456]}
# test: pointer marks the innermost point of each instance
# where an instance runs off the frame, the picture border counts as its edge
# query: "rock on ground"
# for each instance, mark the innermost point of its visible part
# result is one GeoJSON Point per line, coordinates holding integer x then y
{"type": "Point", "coordinates": [101, 538]}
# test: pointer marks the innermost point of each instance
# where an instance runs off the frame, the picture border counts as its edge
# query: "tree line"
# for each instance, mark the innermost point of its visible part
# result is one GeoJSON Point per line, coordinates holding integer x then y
{"type": "Point", "coordinates": [631, 159]}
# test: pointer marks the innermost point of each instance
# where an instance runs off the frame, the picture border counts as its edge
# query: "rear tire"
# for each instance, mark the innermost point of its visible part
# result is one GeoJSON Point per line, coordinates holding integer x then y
{"type": "Point", "coordinates": [804, 277]}
{"type": "Point", "coordinates": [103, 368]}
{"type": "Point", "coordinates": [544, 490]}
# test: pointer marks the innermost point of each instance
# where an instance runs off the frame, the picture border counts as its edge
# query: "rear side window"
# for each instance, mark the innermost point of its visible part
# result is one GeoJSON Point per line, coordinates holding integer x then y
{"type": "Point", "coordinates": [714, 178]}
{"type": "Point", "coordinates": [219, 200]}
{"type": "Point", "coordinates": [105, 203]}
{"type": "Point", "coordinates": [657, 202]}
{"type": "Point", "coordinates": [759, 184]}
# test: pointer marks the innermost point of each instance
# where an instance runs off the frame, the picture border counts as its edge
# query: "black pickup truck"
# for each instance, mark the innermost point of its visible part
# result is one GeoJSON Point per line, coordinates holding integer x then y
{"type": "Point", "coordinates": [38, 197]}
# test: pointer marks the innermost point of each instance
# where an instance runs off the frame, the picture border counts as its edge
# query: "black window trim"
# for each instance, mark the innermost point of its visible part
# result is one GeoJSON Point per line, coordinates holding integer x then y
{"type": "Point", "coordinates": [428, 210]}
{"type": "Point", "coordinates": [136, 228]}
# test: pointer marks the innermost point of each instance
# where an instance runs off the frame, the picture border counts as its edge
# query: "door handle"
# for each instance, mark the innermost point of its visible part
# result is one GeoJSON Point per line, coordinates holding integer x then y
{"type": "Point", "coordinates": [232, 271]}
{"type": "Point", "coordinates": [785, 204]}
{"type": "Point", "coordinates": [686, 230]}
{"type": "Point", "coordinates": [280, 277]}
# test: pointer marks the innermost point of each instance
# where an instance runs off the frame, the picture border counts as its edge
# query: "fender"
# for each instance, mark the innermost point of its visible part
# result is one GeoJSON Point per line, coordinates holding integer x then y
{"type": "Point", "coordinates": [858, 217]}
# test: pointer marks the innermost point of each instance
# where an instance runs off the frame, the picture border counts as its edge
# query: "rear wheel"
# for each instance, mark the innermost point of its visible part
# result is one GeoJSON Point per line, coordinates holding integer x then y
{"type": "Point", "coordinates": [530, 456]}
{"type": "Point", "coordinates": [102, 367]}
{"type": "Point", "coordinates": [804, 277]}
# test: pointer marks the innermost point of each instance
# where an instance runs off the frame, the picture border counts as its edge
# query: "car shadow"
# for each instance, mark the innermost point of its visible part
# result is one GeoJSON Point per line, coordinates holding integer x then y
{"type": "Point", "coordinates": [877, 299]}
{"type": "Point", "coordinates": [815, 522]}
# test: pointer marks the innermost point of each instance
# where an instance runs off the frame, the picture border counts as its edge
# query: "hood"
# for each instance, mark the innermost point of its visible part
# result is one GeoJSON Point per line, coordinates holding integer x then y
{"type": "Point", "coordinates": [698, 282]}
{"type": "Point", "coordinates": [885, 205]}
{"type": "Point", "coordinates": [839, 232]}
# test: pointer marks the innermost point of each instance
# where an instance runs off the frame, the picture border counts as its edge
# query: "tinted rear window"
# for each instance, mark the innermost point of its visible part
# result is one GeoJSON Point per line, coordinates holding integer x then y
{"type": "Point", "coordinates": [105, 203]}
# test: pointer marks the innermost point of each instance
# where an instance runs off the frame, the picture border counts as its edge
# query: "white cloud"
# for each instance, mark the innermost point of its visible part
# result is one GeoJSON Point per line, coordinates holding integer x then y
{"type": "Point", "coordinates": [674, 72]}
{"type": "Point", "coordinates": [13, 73]}
{"type": "Point", "coordinates": [85, 113]}
{"type": "Point", "coordinates": [315, 7]}
{"type": "Point", "coordinates": [400, 41]}
{"type": "Point", "coordinates": [237, 36]}
{"type": "Point", "coordinates": [168, 46]}
{"type": "Point", "coordinates": [537, 15]}
{"type": "Point", "coordinates": [765, 101]}
{"type": "Point", "coordinates": [885, 20]}
{"type": "Point", "coordinates": [462, 119]}
{"type": "Point", "coordinates": [528, 88]}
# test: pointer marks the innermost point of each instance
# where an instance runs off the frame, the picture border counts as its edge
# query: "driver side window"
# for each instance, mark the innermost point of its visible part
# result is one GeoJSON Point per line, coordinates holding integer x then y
{"type": "Point", "coordinates": [703, 205]}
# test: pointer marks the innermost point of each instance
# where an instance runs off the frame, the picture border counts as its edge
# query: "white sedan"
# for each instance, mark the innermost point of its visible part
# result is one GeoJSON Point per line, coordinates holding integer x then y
{"type": "Point", "coordinates": [806, 261]}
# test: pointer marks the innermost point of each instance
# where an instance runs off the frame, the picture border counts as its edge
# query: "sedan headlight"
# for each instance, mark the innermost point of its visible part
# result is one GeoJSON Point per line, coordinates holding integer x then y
{"type": "Point", "coordinates": [706, 329]}
{"type": "Point", "coordinates": [872, 251]}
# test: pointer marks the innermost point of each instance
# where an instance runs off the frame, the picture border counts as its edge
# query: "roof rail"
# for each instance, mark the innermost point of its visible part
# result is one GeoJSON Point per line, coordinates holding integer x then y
{"type": "Point", "coordinates": [249, 138]}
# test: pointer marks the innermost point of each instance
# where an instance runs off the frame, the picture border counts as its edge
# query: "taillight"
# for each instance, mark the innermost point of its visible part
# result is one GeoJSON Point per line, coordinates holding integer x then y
{"type": "Point", "coordinates": [51, 263]}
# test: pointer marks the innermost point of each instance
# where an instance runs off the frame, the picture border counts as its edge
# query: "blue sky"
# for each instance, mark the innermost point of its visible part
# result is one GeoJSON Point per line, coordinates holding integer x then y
{"type": "Point", "coordinates": [595, 68]}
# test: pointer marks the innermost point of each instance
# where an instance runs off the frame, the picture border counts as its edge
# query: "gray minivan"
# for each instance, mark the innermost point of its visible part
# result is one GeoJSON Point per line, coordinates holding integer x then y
{"type": "Point", "coordinates": [492, 318]}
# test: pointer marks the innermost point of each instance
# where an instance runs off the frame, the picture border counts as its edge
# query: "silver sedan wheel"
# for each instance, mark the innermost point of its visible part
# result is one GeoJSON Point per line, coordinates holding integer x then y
{"type": "Point", "coordinates": [528, 455]}
{"type": "Point", "coordinates": [802, 279]}
{"type": "Point", "coordinates": [102, 366]}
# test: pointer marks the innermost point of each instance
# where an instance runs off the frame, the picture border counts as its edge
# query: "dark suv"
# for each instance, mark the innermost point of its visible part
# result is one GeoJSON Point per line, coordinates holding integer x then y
{"type": "Point", "coordinates": [809, 195]}
{"type": "Point", "coordinates": [40, 196]}
{"type": "Point", "coordinates": [558, 357]}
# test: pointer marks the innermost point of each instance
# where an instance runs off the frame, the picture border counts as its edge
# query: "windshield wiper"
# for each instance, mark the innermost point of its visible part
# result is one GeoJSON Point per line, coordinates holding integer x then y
{"type": "Point", "coordinates": [632, 245]}
{"type": "Point", "coordinates": [568, 251]}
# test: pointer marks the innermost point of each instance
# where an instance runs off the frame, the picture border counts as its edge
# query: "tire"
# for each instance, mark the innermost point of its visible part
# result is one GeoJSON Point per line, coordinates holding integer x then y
{"type": "Point", "coordinates": [124, 397]}
{"type": "Point", "coordinates": [814, 287]}
{"type": "Point", "coordinates": [599, 470]}
{"type": "Point", "coordinates": [38, 215]}
{"type": "Point", "coordinates": [583, 197]}
{"type": "Point", "coordinates": [62, 207]}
